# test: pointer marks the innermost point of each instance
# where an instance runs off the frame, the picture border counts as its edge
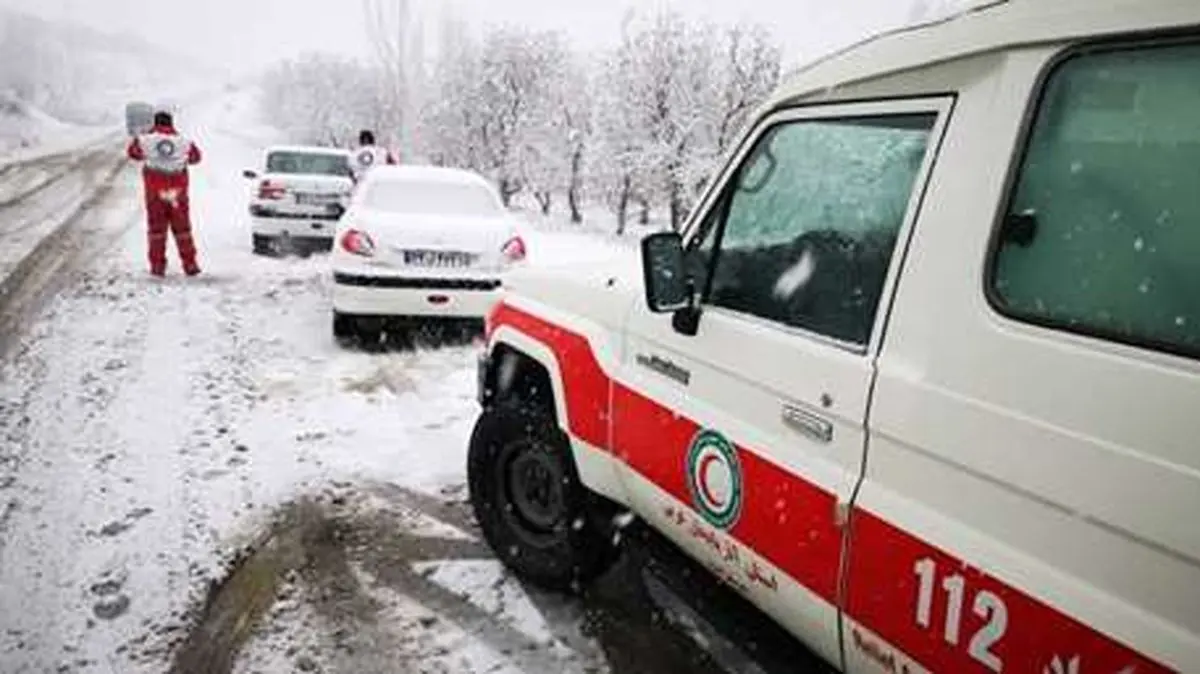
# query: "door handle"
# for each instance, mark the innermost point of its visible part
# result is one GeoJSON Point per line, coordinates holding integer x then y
{"type": "Point", "coordinates": [814, 426]}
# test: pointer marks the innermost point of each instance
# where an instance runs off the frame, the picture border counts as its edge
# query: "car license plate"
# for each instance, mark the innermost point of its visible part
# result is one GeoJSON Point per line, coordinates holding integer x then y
{"type": "Point", "coordinates": [314, 199]}
{"type": "Point", "coordinates": [437, 258]}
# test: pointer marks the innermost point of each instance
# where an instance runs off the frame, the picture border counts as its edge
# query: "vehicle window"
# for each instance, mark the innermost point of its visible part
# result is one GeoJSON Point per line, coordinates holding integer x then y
{"type": "Point", "coordinates": [432, 198]}
{"type": "Point", "coordinates": [308, 163]}
{"type": "Point", "coordinates": [700, 251]}
{"type": "Point", "coordinates": [1102, 235]}
{"type": "Point", "coordinates": [812, 218]}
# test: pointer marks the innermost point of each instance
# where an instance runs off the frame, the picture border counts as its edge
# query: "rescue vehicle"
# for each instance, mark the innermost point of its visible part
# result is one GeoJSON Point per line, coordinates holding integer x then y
{"type": "Point", "coordinates": [920, 377]}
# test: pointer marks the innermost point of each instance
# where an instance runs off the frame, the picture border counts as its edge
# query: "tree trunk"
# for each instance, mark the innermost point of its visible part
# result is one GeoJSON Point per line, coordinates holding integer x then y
{"type": "Point", "coordinates": [544, 201]}
{"type": "Point", "coordinates": [623, 204]}
{"type": "Point", "coordinates": [675, 205]}
{"type": "Point", "coordinates": [508, 188]}
{"type": "Point", "coordinates": [573, 190]}
{"type": "Point", "coordinates": [644, 216]}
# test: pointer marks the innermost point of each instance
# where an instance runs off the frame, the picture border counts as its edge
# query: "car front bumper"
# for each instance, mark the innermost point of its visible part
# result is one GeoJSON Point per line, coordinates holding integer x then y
{"type": "Point", "coordinates": [295, 227]}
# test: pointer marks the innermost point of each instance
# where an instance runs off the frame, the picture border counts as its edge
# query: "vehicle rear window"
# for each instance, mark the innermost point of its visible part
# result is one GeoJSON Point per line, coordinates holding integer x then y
{"type": "Point", "coordinates": [309, 163]}
{"type": "Point", "coordinates": [1102, 235]}
{"type": "Point", "coordinates": [432, 198]}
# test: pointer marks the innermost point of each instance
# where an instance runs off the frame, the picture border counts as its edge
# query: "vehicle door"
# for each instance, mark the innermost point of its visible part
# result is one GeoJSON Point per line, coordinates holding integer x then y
{"type": "Point", "coordinates": [1034, 477]}
{"type": "Point", "coordinates": [743, 441]}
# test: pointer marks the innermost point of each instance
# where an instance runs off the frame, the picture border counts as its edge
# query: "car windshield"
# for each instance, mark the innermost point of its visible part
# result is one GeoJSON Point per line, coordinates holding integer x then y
{"type": "Point", "coordinates": [308, 163]}
{"type": "Point", "coordinates": [430, 197]}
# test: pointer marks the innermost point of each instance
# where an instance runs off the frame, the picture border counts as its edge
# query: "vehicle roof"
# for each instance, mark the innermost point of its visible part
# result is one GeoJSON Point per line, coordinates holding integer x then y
{"type": "Point", "coordinates": [308, 149]}
{"type": "Point", "coordinates": [426, 174]}
{"type": "Point", "coordinates": [985, 26]}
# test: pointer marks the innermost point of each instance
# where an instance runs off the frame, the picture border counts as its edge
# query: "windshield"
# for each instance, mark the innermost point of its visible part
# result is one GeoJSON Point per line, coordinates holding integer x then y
{"type": "Point", "coordinates": [308, 163]}
{"type": "Point", "coordinates": [432, 198]}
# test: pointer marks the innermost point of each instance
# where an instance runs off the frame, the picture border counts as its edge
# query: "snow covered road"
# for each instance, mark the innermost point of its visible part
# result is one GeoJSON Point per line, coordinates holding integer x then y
{"type": "Point", "coordinates": [153, 429]}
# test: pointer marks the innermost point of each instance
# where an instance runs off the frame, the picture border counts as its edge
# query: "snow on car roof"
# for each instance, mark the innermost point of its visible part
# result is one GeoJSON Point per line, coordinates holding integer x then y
{"type": "Point", "coordinates": [416, 173]}
{"type": "Point", "coordinates": [984, 26]}
{"type": "Point", "coordinates": [307, 149]}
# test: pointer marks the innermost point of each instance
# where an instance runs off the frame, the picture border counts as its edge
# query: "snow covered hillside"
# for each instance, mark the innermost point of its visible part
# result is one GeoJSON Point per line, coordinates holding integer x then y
{"type": "Point", "coordinates": [55, 76]}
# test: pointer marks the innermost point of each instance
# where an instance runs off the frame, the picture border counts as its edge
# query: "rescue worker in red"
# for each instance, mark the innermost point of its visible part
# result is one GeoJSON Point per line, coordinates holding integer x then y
{"type": "Point", "coordinates": [368, 155]}
{"type": "Point", "coordinates": [165, 157]}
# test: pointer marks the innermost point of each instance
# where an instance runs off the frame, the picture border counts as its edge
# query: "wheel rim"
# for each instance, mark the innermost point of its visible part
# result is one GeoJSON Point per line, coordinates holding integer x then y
{"type": "Point", "coordinates": [532, 484]}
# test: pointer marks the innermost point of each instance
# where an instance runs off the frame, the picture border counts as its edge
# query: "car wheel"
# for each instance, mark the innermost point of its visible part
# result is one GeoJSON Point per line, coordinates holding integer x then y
{"type": "Point", "coordinates": [266, 245]}
{"type": "Point", "coordinates": [345, 328]}
{"type": "Point", "coordinates": [529, 502]}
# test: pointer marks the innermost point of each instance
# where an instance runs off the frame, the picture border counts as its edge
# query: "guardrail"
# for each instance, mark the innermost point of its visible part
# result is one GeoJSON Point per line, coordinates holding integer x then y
{"type": "Point", "coordinates": [22, 181]}
{"type": "Point", "coordinates": [37, 155]}
{"type": "Point", "coordinates": [39, 221]}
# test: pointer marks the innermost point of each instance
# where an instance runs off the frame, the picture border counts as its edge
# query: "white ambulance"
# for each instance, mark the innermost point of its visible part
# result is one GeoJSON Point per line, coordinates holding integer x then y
{"type": "Point", "coordinates": [921, 377]}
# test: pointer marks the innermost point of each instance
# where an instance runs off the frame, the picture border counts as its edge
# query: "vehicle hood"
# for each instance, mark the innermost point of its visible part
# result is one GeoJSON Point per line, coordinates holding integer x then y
{"type": "Point", "coordinates": [600, 292]}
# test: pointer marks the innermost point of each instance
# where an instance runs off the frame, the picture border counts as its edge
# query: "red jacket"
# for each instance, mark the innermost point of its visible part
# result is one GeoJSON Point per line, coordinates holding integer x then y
{"type": "Point", "coordinates": [166, 156]}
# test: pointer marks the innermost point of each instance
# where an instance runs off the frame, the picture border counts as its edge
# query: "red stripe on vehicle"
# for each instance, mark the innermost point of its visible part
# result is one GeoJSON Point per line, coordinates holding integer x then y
{"type": "Point", "coordinates": [585, 385]}
{"type": "Point", "coordinates": [890, 570]}
{"type": "Point", "coordinates": [790, 522]}
{"type": "Point", "coordinates": [654, 441]}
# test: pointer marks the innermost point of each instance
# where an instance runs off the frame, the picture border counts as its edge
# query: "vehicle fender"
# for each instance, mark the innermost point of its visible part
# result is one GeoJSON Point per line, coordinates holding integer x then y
{"type": "Point", "coordinates": [599, 470]}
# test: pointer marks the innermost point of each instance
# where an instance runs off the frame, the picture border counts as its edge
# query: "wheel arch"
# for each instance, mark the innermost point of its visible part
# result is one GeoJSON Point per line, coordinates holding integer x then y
{"type": "Point", "coordinates": [520, 365]}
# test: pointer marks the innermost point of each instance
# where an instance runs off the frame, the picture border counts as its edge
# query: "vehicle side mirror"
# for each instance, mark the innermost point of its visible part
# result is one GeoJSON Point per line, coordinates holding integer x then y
{"type": "Point", "coordinates": [249, 174]}
{"type": "Point", "coordinates": [669, 287]}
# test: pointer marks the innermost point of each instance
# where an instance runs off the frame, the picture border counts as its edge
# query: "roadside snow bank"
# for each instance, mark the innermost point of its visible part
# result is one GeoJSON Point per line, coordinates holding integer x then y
{"type": "Point", "coordinates": [27, 133]}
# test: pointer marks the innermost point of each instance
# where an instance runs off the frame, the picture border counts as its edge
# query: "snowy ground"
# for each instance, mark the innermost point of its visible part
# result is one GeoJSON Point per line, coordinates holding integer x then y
{"type": "Point", "coordinates": [151, 429]}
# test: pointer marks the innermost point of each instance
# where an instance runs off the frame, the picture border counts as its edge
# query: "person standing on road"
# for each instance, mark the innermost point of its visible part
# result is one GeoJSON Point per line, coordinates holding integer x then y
{"type": "Point", "coordinates": [165, 156]}
{"type": "Point", "coordinates": [368, 155]}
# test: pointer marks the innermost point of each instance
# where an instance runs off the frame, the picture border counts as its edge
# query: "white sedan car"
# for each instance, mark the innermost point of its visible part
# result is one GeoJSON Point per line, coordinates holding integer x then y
{"type": "Point", "coordinates": [420, 242]}
{"type": "Point", "coordinates": [298, 199]}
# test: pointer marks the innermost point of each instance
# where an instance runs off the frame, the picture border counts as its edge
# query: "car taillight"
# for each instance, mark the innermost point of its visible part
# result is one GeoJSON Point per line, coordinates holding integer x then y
{"type": "Point", "coordinates": [270, 190]}
{"type": "Point", "coordinates": [358, 242]}
{"type": "Point", "coordinates": [514, 249]}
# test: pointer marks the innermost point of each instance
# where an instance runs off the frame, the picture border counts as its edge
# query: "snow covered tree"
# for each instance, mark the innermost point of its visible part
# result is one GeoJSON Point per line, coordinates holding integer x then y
{"type": "Point", "coordinates": [321, 99]}
{"type": "Point", "coordinates": [395, 31]}
{"type": "Point", "coordinates": [518, 68]}
{"type": "Point", "coordinates": [749, 70]}
{"type": "Point", "coordinates": [451, 121]}
{"type": "Point", "coordinates": [576, 109]}
{"type": "Point", "coordinates": [670, 100]}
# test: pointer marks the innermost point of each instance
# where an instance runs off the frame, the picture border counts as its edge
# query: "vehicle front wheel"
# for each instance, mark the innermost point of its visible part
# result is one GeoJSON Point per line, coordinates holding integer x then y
{"type": "Point", "coordinates": [529, 501]}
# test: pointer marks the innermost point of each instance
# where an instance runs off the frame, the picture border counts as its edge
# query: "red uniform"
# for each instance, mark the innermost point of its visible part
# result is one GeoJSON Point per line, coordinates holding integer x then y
{"type": "Point", "coordinates": [166, 156]}
{"type": "Point", "coordinates": [367, 157]}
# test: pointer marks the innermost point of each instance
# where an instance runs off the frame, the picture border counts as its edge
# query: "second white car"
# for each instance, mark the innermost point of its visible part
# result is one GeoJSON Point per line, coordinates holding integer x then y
{"type": "Point", "coordinates": [298, 199]}
{"type": "Point", "coordinates": [421, 242]}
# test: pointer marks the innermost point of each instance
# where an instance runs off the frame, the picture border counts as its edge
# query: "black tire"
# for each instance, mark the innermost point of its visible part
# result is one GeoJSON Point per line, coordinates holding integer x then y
{"type": "Point", "coordinates": [529, 502]}
{"type": "Point", "coordinates": [265, 245]}
{"type": "Point", "coordinates": [345, 329]}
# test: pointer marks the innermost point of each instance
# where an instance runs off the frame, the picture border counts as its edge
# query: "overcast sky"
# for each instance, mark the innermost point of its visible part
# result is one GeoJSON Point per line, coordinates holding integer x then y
{"type": "Point", "coordinates": [248, 34]}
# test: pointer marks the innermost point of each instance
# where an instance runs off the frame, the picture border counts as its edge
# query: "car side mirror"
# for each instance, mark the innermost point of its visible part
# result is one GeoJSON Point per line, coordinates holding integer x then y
{"type": "Point", "coordinates": [667, 287]}
{"type": "Point", "coordinates": [249, 174]}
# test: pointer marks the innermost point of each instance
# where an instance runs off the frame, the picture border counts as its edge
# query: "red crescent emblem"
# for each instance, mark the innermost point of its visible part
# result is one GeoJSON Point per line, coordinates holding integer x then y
{"type": "Point", "coordinates": [702, 481]}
